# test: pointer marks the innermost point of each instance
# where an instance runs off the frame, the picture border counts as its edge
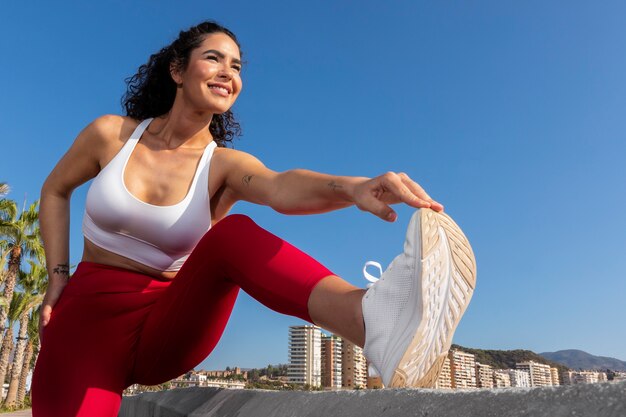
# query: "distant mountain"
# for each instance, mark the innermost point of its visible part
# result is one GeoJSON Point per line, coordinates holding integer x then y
{"type": "Point", "coordinates": [577, 359]}
{"type": "Point", "coordinates": [506, 359]}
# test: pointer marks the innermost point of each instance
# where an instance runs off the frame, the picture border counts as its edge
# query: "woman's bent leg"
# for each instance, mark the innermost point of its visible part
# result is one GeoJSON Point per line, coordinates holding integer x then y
{"type": "Point", "coordinates": [188, 320]}
{"type": "Point", "coordinates": [87, 348]}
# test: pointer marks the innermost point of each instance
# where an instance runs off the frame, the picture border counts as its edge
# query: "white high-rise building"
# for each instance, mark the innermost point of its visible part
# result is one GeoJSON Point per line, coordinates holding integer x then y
{"type": "Point", "coordinates": [540, 374]}
{"type": "Point", "coordinates": [462, 369]}
{"type": "Point", "coordinates": [484, 375]}
{"type": "Point", "coordinates": [554, 372]}
{"type": "Point", "coordinates": [305, 355]}
{"type": "Point", "coordinates": [501, 378]}
{"type": "Point", "coordinates": [519, 378]}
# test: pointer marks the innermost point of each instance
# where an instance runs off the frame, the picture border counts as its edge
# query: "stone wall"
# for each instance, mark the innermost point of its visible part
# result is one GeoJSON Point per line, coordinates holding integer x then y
{"type": "Point", "coordinates": [593, 400]}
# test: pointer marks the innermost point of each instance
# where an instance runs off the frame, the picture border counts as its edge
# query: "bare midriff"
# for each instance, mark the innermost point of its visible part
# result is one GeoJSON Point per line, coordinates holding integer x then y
{"type": "Point", "coordinates": [94, 253]}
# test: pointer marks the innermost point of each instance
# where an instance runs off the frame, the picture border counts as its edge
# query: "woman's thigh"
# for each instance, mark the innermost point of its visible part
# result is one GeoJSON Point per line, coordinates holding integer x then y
{"type": "Point", "coordinates": [184, 326]}
{"type": "Point", "coordinates": [88, 347]}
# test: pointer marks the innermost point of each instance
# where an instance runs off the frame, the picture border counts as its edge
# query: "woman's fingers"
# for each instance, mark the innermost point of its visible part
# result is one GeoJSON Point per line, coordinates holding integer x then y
{"type": "Point", "coordinates": [406, 190]}
{"type": "Point", "coordinates": [391, 188]}
{"type": "Point", "coordinates": [418, 191]}
{"type": "Point", "coordinates": [44, 318]}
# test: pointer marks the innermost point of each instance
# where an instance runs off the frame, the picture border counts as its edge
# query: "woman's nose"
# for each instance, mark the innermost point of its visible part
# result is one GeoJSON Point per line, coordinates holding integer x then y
{"type": "Point", "coordinates": [225, 73]}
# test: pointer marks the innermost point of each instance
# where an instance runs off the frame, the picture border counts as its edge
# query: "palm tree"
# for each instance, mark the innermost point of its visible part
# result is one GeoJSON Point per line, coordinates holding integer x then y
{"type": "Point", "coordinates": [7, 341]}
{"type": "Point", "coordinates": [4, 254]}
{"type": "Point", "coordinates": [30, 357]}
{"type": "Point", "coordinates": [22, 236]}
{"type": "Point", "coordinates": [5, 210]}
{"type": "Point", "coordinates": [34, 284]}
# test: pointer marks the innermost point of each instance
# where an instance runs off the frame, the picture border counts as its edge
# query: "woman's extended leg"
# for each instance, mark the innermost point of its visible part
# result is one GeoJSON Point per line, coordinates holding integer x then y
{"type": "Point", "coordinates": [410, 314]}
{"type": "Point", "coordinates": [335, 305]}
{"type": "Point", "coordinates": [187, 321]}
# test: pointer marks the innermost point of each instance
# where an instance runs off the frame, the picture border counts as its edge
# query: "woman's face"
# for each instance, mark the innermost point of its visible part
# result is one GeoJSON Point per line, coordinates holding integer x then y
{"type": "Point", "coordinates": [212, 80]}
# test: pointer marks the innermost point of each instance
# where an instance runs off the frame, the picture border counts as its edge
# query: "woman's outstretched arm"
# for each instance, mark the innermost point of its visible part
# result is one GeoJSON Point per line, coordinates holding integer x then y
{"type": "Point", "coordinates": [300, 191]}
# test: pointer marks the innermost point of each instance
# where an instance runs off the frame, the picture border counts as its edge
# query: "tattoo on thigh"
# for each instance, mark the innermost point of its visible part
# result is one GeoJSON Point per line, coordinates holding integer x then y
{"type": "Point", "coordinates": [62, 269]}
{"type": "Point", "coordinates": [334, 185]}
{"type": "Point", "coordinates": [246, 179]}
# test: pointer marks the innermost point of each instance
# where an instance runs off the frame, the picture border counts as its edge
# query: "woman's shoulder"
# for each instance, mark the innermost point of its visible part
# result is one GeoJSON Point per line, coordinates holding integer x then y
{"type": "Point", "coordinates": [110, 129]}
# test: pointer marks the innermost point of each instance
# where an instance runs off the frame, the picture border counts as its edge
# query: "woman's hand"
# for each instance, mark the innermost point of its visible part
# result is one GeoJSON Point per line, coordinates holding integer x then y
{"type": "Point", "coordinates": [376, 194]}
{"type": "Point", "coordinates": [50, 299]}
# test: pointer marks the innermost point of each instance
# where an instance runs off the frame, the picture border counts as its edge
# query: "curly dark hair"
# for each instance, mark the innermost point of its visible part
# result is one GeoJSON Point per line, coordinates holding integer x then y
{"type": "Point", "coordinates": [151, 91]}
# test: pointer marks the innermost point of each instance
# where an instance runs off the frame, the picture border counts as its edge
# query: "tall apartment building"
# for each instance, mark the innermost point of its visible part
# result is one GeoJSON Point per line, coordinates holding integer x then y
{"type": "Point", "coordinates": [305, 351]}
{"type": "Point", "coordinates": [484, 375]}
{"type": "Point", "coordinates": [540, 374]}
{"type": "Point", "coordinates": [353, 366]}
{"type": "Point", "coordinates": [444, 381]}
{"type": "Point", "coordinates": [519, 378]}
{"type": "Point", "coordinates": [462, 369]}
{"type": "Point", "coordinates": [331, 361]}
{"type": "Point", "coordinates": [501, 378]}
{"type": "Point", "coordinates": [554, 373]}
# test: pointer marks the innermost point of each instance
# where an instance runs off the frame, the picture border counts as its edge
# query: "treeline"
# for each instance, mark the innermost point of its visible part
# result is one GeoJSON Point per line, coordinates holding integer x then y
{"type": "Point", "coordinates": [270, 372]}
{"type": "Point", "coordinates": [23, 280]}
{"type": "Point", "coordinates": [506, 359]}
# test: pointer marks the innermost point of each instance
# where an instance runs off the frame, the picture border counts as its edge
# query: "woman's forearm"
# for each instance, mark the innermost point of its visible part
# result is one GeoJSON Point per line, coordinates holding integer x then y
{"type": "Point", "coordinates": [54, 220]}
{"type": "Point", "coordinates": [301, 191]}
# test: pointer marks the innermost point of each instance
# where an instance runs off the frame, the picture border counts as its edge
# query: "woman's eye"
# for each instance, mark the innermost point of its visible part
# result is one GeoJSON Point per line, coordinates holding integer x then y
{"type": "Point", "coordinates": [211, 57]}
{"type": "Point", "coordinates": [237, 68]}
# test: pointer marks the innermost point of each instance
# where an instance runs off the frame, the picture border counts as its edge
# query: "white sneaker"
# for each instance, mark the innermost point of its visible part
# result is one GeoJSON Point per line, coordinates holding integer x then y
{"type": "Point", "coordinates": [412, 311]}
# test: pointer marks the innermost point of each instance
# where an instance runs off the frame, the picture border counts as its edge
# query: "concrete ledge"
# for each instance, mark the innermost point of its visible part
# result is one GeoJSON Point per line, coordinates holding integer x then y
{"type": "Point", "coordinates": [593, 400]}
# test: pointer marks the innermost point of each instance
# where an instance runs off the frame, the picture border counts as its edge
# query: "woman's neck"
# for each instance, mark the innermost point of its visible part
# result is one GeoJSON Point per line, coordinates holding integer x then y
{"type": "Point", "coordinates": [182, 128]}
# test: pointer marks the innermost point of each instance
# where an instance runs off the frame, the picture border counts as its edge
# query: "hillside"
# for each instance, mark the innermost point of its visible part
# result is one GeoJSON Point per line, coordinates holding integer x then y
{"type": "Point", "coordinates": [506, 359]}
{"type": "Point", "coordinates": [577, 359]}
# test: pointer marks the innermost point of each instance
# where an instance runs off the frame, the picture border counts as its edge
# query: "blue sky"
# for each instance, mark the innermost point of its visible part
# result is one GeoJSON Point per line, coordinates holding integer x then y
{"type": "Point", "coordinates": [512, 114]}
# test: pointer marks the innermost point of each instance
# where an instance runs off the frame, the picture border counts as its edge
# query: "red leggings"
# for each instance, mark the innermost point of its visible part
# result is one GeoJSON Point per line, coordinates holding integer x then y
{"type": "Point", "coordinates": [113, 327]}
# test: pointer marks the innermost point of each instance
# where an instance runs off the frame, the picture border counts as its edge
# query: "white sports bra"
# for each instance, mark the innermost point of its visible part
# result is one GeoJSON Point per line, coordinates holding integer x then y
{"type": "Point", "coordinates": [161, 237]}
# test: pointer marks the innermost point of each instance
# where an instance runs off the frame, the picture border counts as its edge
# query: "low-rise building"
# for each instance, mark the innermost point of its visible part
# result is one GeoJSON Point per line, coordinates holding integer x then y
{"type": "Point", "coordinates": [619, 376]}
{"type": "Point", "coordinates": [583, 377]}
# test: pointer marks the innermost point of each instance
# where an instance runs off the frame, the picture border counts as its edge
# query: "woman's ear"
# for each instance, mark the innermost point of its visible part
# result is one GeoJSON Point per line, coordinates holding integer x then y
{"type": "Point", "coordinates": [175, 74]}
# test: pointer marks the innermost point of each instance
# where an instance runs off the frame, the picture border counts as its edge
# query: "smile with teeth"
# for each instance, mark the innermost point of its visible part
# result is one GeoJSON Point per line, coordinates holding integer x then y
{"type": "Point", "coordinates": [222, 90]}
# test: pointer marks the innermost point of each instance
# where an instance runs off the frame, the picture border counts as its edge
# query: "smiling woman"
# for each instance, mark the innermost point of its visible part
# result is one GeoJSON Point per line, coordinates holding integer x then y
{"type": "Point", "coordinates": [163, 262]}
{"type": "Point", "coordinates": [151, 92]}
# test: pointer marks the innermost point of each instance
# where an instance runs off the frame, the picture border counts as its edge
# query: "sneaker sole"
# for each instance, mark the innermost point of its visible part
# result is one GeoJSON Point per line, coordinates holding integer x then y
{"type": "Point", "coordinates": [448, 280]}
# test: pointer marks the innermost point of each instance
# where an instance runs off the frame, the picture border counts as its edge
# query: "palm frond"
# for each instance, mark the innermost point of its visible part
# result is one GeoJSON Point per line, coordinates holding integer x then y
{"type": "Point", "coordinates": [4, 189]}
{"type": "Point", "coordinates": [16, 307]}
{"type": "Point", "coordinates": [33, 326]}
{"type": "Point", "coordinates": [8, 209]}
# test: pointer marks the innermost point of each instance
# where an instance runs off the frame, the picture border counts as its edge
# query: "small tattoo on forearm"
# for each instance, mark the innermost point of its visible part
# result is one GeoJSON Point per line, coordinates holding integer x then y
{"type": "Point", "coordinates": [62, 269]}
{"type": "Point", "coordinates": [334, 185]}
{"type": "Point", "coordinates": [246, 179]}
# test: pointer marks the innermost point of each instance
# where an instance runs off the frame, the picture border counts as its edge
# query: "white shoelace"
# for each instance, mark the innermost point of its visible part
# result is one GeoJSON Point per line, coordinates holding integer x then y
{"type": "Point", "coordinates": [371, 278]}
